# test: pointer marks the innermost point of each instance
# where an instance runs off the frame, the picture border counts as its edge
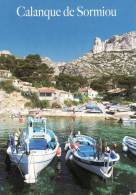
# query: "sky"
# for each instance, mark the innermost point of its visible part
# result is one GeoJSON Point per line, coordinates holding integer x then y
{"type": "Point", "coordinates": [61, 38]}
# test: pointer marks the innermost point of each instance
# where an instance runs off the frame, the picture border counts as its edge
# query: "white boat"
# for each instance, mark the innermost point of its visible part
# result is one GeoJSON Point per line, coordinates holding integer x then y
{"type": "Point", "coordinates": [129, 144]}
{"type": "Point", "coordinates": [82, 150]}
{"type": "Point", "coordinates": [33, 149]}
{"type": "Point", "coordinates": [129, 120]}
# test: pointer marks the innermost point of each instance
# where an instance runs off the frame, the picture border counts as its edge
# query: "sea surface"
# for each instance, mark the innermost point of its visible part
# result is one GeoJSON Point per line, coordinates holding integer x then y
{"type": "Point", "coordinates": [60, 178]}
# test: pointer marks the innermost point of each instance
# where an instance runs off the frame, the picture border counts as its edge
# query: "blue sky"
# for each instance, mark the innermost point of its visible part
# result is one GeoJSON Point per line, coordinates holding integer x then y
{"type": "Point", "coordinates": [62, 38]}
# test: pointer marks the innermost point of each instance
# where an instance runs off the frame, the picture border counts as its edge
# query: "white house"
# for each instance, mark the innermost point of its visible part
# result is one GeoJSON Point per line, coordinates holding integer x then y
{"type": "Point", "coordinates": [52, 94]}
{"type": "Point", "coordinates": [5, 74]}
{"type": "Point", "coordinates": [92, 94]}
{"type": "Point", "coordinates": [46, 93]}
{"type": "Point", "coordinates": [64, 95]}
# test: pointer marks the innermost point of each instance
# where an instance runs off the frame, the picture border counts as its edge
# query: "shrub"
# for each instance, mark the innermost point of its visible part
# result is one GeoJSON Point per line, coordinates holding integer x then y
{"type": "Point", "coordinates": [7, 86]}
{"type": "Point", "coordinates": [68, 103]}
{"type": "Point", "coordinates": [28, 104]}
{"type": "Point", "coordinates": [84, 99]}
{"type": "Point", "coordinates": [35, 102]}
{"type": "Point", "coordinates": [56, 105]}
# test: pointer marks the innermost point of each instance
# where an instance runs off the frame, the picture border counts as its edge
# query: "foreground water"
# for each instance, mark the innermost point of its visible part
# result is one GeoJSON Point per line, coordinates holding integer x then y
{"type": "Point", "coordinates": [59, 178]}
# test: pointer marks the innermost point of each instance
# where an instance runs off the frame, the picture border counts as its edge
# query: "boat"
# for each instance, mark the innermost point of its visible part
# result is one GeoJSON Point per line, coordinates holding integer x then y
{"type": "Point", "coordinates": [127, 120]}
{"type": "Point", "coordinates": [129, 144]}
{"type": "Point", "coordinates": [32, 149]}
{"type": "Point", "coordinates": [92, 108]}
{"type": "Point", "coordinates": [133, 116]}
{"type": "Point", "coordinates": [83, 150]}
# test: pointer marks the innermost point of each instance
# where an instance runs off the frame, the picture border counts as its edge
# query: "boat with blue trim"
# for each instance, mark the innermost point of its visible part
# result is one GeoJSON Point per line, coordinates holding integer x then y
{"type": "Point", "coordinates": [129, 144]}
{"type": "Point", "coordinates": [33, 149]}
{"type": "Point", "coordinates": [84, 151]}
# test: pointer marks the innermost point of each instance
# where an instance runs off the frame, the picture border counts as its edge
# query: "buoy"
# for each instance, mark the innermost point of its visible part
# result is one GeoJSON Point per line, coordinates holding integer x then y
{"type": "Point", "coordinates": [58, 152]}
{"type": "Point", "coordinates": [124, 148]}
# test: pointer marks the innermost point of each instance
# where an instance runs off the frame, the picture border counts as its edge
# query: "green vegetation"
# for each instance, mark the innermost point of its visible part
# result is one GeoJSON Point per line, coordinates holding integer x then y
{"type": "Point", "coordinates": [70, 83]}
{"type": "Point", "coordinates": [70, 103]}
{"type": "Point", "coordinates": [7, 86]}
{"type": "Point", "coordinates": [84, 99]}
{"type": "Point", "coordinates": [35, 102]}
{"type": "Point", "coordinates": [30, 69]}
{"type": "Point", "coordinates": [56, 105]}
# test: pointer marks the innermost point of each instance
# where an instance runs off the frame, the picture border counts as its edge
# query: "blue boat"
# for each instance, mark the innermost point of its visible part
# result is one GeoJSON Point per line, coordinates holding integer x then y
{"type": "Point", "coordinates": [82, 150]}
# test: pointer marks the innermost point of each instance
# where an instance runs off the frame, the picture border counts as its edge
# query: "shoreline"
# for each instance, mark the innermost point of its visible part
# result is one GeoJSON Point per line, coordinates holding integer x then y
{"type": "Point", "coordinates": [59, 113]}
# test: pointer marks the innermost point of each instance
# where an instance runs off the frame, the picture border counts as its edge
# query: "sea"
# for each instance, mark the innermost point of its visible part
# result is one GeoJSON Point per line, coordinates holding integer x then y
{"type": "Point", "coordinates": [67, 178]}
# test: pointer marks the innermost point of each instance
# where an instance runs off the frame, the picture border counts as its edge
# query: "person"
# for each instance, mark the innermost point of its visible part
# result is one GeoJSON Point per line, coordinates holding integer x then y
{"type": "Point", "coordinates": [114, 146]}
{"type": "Point", "coordinates": [108, 149]}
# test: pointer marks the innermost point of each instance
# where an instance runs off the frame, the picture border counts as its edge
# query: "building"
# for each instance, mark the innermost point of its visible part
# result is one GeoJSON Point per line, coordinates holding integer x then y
{"type": "Point", "coordinates": [5, 53]}
{"type": "Point", "coordinates": [92, 94]}
{"type": "Point", "coordinates": [5, 74]}
{"type": "Point", "coordinates": [64, 95]}
{"type": "Point", "coordinates": [46, 93]}
{"type": "Point", "coordinates": [52, 94]}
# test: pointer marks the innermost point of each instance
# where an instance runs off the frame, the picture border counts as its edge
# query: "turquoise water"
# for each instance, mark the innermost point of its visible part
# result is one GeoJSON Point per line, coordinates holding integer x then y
{"type": "Point", "coordinates": [61, 178]}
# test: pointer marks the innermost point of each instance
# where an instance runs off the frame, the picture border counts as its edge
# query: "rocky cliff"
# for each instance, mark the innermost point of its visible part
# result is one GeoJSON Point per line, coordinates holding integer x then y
{"type": "Point", "coordinates": [114, 56]}
{"type": "Point", "coordinates": [125, 42]}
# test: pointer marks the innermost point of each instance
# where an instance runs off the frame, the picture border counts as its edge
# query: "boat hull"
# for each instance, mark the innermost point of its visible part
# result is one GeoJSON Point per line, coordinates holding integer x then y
{"type": "Point", "coordinates": [130, 143]}
{"type": "Point", "coordinates": [31, 165]}
{"type": "Point", "coordinates": [104, 172]}
{"type": "Point", "coordinates": [83, 152]}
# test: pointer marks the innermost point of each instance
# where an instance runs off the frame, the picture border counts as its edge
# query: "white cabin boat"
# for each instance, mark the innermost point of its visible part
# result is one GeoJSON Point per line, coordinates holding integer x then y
{"type": "Point", "coordinates": [33, 149]}
{"type": "Point", "coordinates": [82, 150]}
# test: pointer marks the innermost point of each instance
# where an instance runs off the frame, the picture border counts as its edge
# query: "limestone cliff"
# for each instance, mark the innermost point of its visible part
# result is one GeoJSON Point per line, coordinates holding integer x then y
{"type": "Point", "coordinates": [114, 56]}
{"type": "Point", "coordinates": [124, 42]}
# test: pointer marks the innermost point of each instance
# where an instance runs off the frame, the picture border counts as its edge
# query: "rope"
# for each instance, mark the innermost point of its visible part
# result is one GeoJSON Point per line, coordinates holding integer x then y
{"type": "Point", "coordinates": [34, 168]}
{"type": "Point", "coordinates": [19, 163]}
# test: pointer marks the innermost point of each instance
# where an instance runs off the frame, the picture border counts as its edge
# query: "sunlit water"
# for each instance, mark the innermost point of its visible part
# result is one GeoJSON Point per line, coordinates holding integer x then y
{"type": "Point", "coordinates": [59, 178]}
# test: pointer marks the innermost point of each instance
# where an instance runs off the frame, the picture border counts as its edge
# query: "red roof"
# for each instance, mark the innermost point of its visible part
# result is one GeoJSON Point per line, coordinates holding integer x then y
{"type": "Point", "coordinates": [85, 89]}
{"type": "Point", "coordinates": [47, 90]}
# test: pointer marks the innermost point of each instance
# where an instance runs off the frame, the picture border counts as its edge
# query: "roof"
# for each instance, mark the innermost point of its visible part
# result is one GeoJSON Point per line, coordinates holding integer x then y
{"type": "Point", "coordinates": [117, 90]}
{"type": "Point", "coordinates": [46, 90]}
{"type": "Point", "coordinates": [86, 89]}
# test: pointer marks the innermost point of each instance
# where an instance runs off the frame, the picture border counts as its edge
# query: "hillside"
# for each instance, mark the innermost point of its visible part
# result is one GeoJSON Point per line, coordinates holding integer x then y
{"type": "Point", "coordinates": [116, 56]}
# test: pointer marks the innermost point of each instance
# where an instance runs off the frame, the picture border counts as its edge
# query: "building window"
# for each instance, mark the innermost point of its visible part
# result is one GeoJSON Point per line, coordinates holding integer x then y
{"type": "Point", "coordinates": [48, 94]}
{"type": "Point", "coordinates": [42, 94]}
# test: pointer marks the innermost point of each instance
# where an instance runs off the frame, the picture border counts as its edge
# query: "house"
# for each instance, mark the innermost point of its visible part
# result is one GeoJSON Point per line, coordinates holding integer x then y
{"type": "Point", "coordinates": [52, 94]}
{"type": "Point", "coordinates": [64, 95]}
{"type": "Point", "coordinates": [88, 92]}
{"type": "Point", "coordinates": [46, 93]}
{"type": "Point", "coordinates": [5, 74]}
{"type": "Point", "coordinates": [5, 53]}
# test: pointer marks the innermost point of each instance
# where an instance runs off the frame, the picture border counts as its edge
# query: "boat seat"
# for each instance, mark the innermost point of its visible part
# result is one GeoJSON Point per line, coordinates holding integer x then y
{"type": "Point", "coordinates": [51, 145]}
{"type": "Point", "coordinates": [38, 144]}
{"type": "Point", "coordinates": [86, 151]}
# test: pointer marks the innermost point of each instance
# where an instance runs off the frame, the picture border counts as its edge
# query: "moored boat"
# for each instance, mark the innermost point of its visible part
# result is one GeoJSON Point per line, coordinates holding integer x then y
{"type": "Point", "coordinates": [32, 149]}
{"type": "Point", "coordinates": [125, 120]}
{"type": "Point", "coordinates": [83, 150]}
{"type": "Point", "coordinates": [129, 144]}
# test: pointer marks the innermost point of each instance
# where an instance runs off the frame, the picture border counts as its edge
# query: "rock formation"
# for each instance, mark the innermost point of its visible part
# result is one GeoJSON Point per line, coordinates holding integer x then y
{"type": "Point", "coordinates": [124, 42]}
{"type": "Point", "coordinates": [114, 56]}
